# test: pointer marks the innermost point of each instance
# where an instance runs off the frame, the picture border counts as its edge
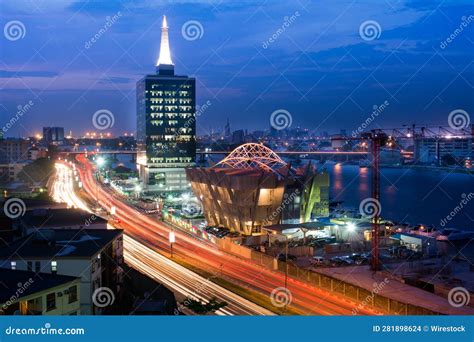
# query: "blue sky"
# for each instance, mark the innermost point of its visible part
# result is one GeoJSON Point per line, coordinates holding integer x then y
{"type": "Point", "coordinates": [319, 68]}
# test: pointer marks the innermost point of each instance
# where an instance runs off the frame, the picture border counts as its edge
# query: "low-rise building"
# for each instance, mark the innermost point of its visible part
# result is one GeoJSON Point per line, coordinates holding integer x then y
{"type": "Point", "coordinates": [94, 255]}
{"type": "Point", "coordinates": [59, 218]}
{"type": "Point", "coordinates": [30, 293]}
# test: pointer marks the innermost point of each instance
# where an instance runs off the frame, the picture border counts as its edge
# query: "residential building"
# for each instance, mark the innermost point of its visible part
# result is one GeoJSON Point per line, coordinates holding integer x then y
{"type": "Point", "coordinates": [13, 150]}
{"type": "Point", "coordinates": [94, 255]}
{"type": "Point", "coordinates": [31, 293]}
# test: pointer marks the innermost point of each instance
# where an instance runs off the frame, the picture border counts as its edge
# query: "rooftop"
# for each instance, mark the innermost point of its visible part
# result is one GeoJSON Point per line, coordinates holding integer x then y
{"type": "Point", "coordinates": [59, 217]}
{"type": "Point", "coordinates": [60, 243]}
{"type": "Point", "coordinates": [29, 282]}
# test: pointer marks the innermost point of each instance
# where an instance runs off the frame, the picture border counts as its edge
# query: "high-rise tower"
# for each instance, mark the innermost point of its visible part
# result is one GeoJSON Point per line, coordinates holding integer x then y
{"type": "Point", "coordinates": [166, 124]}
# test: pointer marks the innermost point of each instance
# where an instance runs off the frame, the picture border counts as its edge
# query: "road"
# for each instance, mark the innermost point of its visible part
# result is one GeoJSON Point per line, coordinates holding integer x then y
{"type": "Point", "coordinates": [182, 281]}
{"type": "Point", "coordinates": [301, 296]}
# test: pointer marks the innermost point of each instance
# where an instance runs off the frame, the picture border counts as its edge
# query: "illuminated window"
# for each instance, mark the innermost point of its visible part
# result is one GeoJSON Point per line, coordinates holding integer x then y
{"type": "Point", "coordinates": [13, 265]}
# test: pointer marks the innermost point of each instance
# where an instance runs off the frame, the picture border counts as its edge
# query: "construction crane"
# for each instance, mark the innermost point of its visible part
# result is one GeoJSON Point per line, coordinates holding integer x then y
{"type": "Point", "coordinates": [379, 138]}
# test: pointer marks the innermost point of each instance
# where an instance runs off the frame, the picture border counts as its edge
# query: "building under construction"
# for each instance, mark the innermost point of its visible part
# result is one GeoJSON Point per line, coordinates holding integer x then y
{"type": "Point", "coordinates": [253, 187]}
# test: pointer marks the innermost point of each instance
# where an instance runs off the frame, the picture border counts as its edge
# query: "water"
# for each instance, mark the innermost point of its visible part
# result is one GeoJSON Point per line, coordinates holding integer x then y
{"type": "Point", "coordinates": [407, 195]}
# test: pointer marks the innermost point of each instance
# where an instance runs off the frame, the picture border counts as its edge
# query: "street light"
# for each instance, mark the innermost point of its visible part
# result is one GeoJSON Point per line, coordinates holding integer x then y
{"type": "Point", "coordinates": [350, 226]}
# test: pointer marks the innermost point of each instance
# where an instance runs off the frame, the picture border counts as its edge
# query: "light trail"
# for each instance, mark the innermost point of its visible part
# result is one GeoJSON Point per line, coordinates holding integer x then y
{"type": "Point", "coordinates": [245, 273]}
{"type": "Point", "coordinates": [144, 259]}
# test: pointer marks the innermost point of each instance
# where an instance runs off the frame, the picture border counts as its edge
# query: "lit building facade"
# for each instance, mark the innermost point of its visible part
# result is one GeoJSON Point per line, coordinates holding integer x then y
{"type": "Point", "coordinates": [430, 150]}
{"type": "Point", "coordinates": [252, 188]}
{"type": "Point", "coordinates": [166, 125]}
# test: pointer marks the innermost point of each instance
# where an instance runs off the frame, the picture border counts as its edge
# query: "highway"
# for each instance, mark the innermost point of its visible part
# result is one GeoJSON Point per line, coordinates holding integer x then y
{"type": "Point", "coordinates": [304, 298]}
{"type": "Point", "coordinates": [182, 281]}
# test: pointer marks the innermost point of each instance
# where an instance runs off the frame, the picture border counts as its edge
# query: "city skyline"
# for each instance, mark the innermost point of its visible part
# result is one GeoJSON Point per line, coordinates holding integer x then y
{"type": "Point", "coordinates": [237, 158]}
{"type": "Point", "coordinates": [292, 64]}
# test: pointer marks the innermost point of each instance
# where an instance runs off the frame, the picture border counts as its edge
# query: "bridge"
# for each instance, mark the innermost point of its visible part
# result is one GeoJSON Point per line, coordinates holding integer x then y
{"type": "Point", "coordinates": [226, 152]}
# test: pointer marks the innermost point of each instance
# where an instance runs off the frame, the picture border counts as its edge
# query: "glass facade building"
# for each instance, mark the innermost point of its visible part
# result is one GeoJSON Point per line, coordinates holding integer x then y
{"type": "Point", "coordinates": [166, 125]}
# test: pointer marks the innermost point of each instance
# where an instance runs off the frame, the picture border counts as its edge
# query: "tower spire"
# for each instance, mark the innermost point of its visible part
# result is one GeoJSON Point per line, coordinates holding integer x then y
{"type": "Point", "coordinates": [164, 60]}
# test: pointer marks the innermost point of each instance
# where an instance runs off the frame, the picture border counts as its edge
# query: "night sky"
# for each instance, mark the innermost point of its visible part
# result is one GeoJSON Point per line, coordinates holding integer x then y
{"type": "Point", "coordinates": [318, 66]}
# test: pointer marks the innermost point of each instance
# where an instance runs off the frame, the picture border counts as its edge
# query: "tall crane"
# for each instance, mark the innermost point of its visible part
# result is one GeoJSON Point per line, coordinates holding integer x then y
{"type": "Point", "coordinates": [379, 138]}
